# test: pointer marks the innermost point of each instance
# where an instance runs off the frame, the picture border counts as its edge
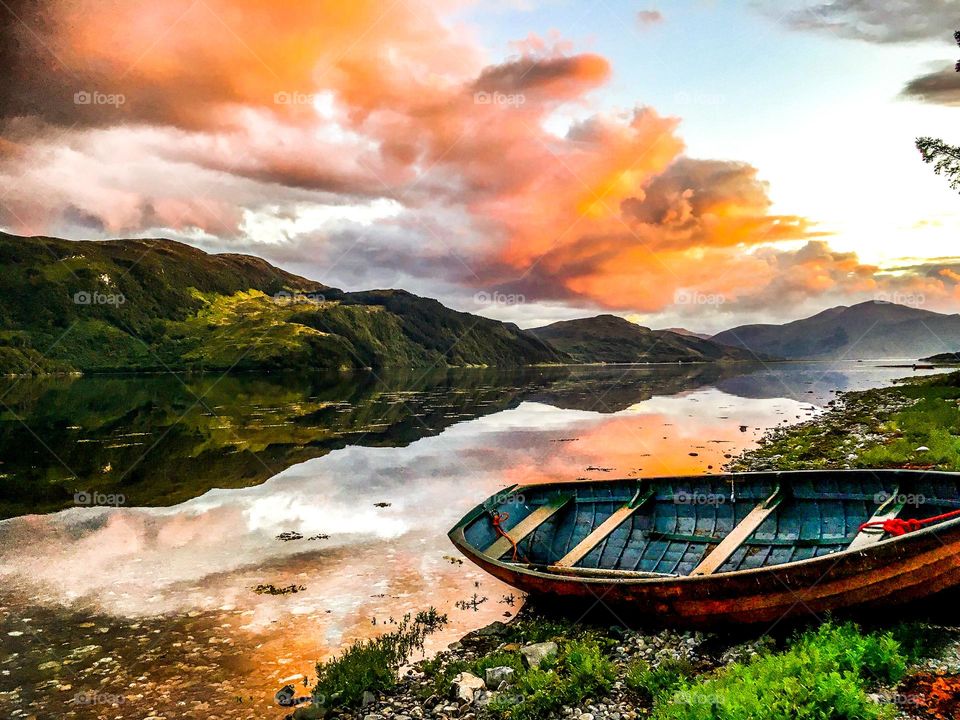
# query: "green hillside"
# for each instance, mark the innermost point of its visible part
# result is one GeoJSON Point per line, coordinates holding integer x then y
{"type": "Point", "coordinates": [139, 305]}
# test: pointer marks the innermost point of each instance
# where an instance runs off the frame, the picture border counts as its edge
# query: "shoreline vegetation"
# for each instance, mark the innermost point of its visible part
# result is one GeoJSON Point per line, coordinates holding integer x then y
{"type": "Point", "coordinates": [905, 666]}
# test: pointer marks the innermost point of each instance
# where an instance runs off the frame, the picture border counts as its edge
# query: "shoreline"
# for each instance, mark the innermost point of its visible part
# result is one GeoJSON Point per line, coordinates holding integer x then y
{"type": "Point", "coordinates": [160, 370]}
{"type": "Point", "coordinates": [869, 428]}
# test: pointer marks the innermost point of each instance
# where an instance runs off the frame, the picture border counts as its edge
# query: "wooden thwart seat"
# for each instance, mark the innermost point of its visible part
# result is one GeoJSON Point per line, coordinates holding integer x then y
{"type": "Point", "coordinates": [604, 529]}
{"type": "Point", "coordinates": [889, 509]}
{"type": "Point", "coordinates": [722, 552]}
{"type": "Point", "coordinates": [526, 526]}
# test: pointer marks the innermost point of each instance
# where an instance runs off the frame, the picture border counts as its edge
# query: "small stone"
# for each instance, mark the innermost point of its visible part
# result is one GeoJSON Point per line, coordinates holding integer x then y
{"type": "Point", "coordinates": [586, 716]}
{"type": "Point", "coordinates": [496, 676]}
{"type": "Point", "coordinates": [534, 655]}
{"type": "Point", "coordinates": [368, 699]}
{"type": "Point", "coordinates": [485, 697]}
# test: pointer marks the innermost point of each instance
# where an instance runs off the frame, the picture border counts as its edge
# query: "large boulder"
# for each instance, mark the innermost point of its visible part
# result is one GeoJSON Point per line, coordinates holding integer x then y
{"type": "Point", "coordinates": [465, 686]}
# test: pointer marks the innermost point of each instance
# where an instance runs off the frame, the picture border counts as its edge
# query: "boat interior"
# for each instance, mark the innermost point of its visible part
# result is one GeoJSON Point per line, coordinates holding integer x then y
{"type": "Point", "coordinates": [699, 526]}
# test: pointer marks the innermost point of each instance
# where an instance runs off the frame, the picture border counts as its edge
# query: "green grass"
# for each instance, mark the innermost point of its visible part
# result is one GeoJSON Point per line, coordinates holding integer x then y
{"type": "Point", "coordinates": [926, 414]}
{"type": "Point", "coordinates": [654, 683]}
{"type": "Point", "coordinates": [581, 670]}
{"type": "Point", "coordinates": [372, 665]}
{"type": "Point", "coordinates": [933, 421]}
{"type": "Point", "coordinates": [529, 631]}
{"type": "Point", "coordinates": [824, 675]}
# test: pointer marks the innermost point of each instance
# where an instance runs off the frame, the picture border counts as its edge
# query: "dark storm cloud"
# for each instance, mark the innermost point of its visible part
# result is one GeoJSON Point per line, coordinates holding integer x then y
{"type": "Point", "coordinates": [879, 21]}
{"type": "Point", "coordinates": [941, 87]}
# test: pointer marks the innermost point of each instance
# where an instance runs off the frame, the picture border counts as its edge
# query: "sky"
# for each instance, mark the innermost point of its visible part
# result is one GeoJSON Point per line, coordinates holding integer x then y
{"type": "Point", "coordinates": [697, 163]}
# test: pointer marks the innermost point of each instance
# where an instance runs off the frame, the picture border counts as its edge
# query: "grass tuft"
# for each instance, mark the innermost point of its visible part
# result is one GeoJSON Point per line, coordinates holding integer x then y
{"type": "Point", "coordinates": [372, 665]}
{"type": "Point", "coordinates": [824, 675]}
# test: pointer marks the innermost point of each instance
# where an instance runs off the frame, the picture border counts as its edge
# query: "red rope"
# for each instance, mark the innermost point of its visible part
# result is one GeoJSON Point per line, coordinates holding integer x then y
{"type": "Point", "coordinates": [498, 518]}
{"type": "Point", "coordinates": [898, 527]}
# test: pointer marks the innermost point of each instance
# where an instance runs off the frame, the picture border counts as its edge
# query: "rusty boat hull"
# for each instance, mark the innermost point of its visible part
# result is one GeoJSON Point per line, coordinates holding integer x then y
{"type": "Point", "coordinates": [735, 548]}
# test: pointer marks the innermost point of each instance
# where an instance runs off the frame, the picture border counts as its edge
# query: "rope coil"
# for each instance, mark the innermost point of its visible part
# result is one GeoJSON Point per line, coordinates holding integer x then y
{"type": "Point", "coordinates": [898, 527]}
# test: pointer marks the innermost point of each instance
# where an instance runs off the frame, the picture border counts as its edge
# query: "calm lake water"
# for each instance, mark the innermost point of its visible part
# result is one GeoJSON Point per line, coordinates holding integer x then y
{"type": "Point", "coordinates": [142, 513]}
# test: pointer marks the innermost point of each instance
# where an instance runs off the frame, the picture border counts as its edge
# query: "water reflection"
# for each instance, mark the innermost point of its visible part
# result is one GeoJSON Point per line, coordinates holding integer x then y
{"type": "Point", "coordinates": [161, 440]}
{"type": "Point", "coordinates": [169, 585]}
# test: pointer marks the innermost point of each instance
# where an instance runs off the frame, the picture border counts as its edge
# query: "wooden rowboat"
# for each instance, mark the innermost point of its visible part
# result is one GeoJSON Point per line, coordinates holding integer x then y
{"type": "Point", "coordinates": [737, 548]}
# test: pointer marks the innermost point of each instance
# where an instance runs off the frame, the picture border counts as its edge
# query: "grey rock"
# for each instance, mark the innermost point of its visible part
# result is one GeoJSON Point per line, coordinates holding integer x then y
{"type": "Point", "coordinates": [484, 698]}
{"type": "Point", "coordinates": [368, 699]}
{"type": "Point", "coordinates": [535, 654]}
{"type": "Point", "coordinates": [465, 686]}
{"type": "Point", "coordinates": [494, 629]}
{"type": "Point", "coordinates": [496, 676]}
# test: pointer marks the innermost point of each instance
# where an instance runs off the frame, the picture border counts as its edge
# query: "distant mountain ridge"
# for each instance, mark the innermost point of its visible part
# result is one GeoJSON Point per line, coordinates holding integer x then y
{"type": "Point", "coordinates": [152, 304]}
{"type": "Point", "coordinates": [866, 331]}
{"type": "Point", "coordinates": [613, 339]}
{"type": "Point", "coordinates": [133, 305]}
{"type": "Point", "coordinates": [691, 333]}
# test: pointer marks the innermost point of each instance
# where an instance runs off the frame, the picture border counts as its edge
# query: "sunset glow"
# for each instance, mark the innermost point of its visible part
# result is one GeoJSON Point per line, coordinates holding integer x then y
{"type": "Point", "coordinates": [583, 159]}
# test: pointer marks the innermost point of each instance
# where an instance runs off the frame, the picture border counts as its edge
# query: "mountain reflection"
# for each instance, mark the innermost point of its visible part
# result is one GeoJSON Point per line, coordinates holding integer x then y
{"type": "Point", "coordinates": [161, 440]}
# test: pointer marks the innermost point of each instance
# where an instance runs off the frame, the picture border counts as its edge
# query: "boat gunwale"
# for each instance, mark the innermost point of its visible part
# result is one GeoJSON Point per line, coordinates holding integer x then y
{"type": "Point", "coordinates": [457, 534]}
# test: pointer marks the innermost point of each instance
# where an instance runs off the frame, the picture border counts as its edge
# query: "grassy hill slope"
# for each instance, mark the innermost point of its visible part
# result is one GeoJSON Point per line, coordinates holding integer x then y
{"type": "Point", "coordinates": [137, 305]}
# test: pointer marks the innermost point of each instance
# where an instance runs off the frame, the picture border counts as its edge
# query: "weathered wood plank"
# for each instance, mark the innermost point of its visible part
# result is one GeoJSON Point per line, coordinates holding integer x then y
{"type": "Point", "coordinates": [889, 509]}
{"type": "Point", "coordinates": [526, 526]}
{"type": "Point", "coordinates": [721, 553]}
{"type": "Point", "coordinates": [602, 530]}
{"type": "Point", "coordinates": [602, 572]}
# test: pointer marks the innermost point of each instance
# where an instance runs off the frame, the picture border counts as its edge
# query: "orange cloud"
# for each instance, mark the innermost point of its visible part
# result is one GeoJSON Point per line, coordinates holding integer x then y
{"type": "Point", "coordinates": [229, 106]}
